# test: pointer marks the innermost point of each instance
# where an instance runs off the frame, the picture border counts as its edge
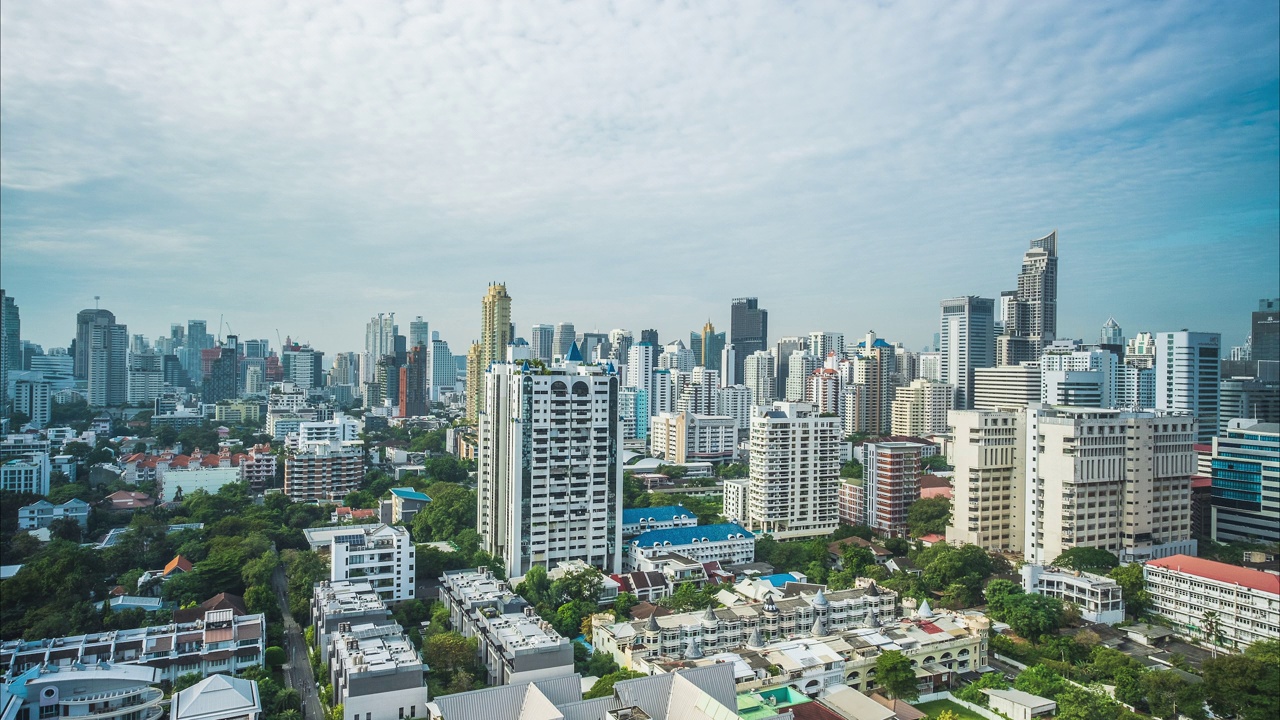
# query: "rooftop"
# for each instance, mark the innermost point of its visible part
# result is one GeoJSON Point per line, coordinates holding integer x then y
{"type": "Point", "coordinates": [217, 696]}
{"type": "Point", "coordinates": [666, 513]}
{"type": "Point", "coordinates": [695, 534]}
{"type": "Point", "coordinates": [1221, 572]}
{"type": "Point", "coordinates": [406, 493]}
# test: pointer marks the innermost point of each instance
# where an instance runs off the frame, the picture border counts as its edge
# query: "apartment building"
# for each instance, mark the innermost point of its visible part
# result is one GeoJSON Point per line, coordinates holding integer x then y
{"type": "Point", "coordinates": [1245, 472]}
{"type": "Point", "coordinates": [890, 484]}
{"type": "Point", "coordinates": [795, 472]}
{"type": "Point", "coordinates": [988, 503]}
{"type": "Point", "coordinates": [1188, 374]}
{"type": "Point", "coordinates": [376, 673]}
{"type": "Point", "coordinates": [335, 602]}
{"type": "Point", "coordinates": [42, 513]}
{"type": "Point", "coordinates": [1006, 386]}
{"type": "Point", "coordinates": [639, 520]}
{"type": "Point", "coordinates": [1214, 602]}
{"type": "Point", "coordinates": [921, 408]}
{"type": "Point", "coordinates": [726, 543]}
{"type": "Point", "coordinates": [1098, 598]}
{"type": "Point", "coordinates": [682, 437]}
{"type": "Point", "coordinates": [381, 555]}
{"type": "Point", "coordinates": [324, 471]}
{"type": "Point", "coordinates": [93, 692]}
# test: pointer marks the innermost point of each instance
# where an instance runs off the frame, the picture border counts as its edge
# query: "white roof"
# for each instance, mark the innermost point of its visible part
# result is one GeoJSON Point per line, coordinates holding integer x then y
{"type": "Point", "coordinates": [1024, 699]}
{"type": "Point", "coordinates": [217, 696]}
{"type": "Point", "coordinates": [854, 705]}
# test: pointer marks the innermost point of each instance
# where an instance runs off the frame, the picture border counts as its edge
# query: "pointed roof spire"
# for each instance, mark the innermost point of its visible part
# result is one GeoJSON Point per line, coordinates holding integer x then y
{"type": "Point", "coordinates": [653, 624]}
{"type": "Point", "coordinates": [694, 650]}
{"type": "Point", "coordinates": [925, 611]}
{"type": "Point", "coordinates": [820, 600]}
{"type": "Point", "coordinates": [817, 630]}
{"type": "Point", "coordinates": [575, 355]}
{"type": "Point", "coordinates": [756, 640]}
{"type": "Point", "coordinates": [710, 615]}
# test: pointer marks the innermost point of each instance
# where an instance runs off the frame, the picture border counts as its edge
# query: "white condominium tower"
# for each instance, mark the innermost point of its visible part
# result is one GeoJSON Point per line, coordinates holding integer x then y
{"type": "Point", "coordinates": [758, 375]}
{"type": "Point", "coordinates": [549, 479]}
{"type": "Point", "coordinates": [1031, 318]}
{"type": "Point", "coordinates": [1188, 371]}
{"type": "Point", "coordinates": [795, 472]}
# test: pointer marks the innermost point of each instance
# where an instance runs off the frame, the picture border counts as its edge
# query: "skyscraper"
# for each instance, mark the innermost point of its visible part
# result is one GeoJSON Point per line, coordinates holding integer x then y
{"type": "Point", "coordinates": [1187, 377]}
{"type": "Point", "coordinates": [967, 343]}
{"type": "Point", "coordinates": [223, 381]}
{"type": "Point", "coordinates": [379, 340]}
{"type": "Point", "coordinates": [1111, 334]}
{"type": "Point", "coordinates": [419, 333]}
{"type": "Point", "coordinates": [707, 346]}
{"type": "Point", "coordinates": [415, 383]}
{"type": "Point", "coordinates": [748, 329]}
{"type": "Point", "coordinates": [1265, 337]}
{"type": "Point", "coordinates": [86, 320]}
{"type": "Point", "coordinates": [10, 345]}
{"type": "Point", "coordinates": [542, 342]}
{"type": "Point", "coordinates": [795, 471]}
{"type": "Point", "coordinates": [758, 376]}
{"type": "Point", "coordinates": [108, 353]}
{"type": "Point", "coordinates": [563, 337]}
{"type": "Point", "coordinates": [549, 466]}
{"type": "Point", "coordinates": [495, 335]}
{"type": "Point", "coordinates": [444, 372]}
{"type": "Point", "coordinates": [650, 336]}
{"type": "Point", "coordinates": [1031, 319]}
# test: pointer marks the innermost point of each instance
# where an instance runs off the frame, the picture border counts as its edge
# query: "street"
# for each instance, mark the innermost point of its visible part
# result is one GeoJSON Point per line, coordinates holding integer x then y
{"type": "Point", "coordinates": [297, 669]}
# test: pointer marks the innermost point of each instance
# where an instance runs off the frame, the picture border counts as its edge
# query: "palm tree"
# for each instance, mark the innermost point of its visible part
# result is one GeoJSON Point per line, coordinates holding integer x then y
{"type": "Point", "coordinates": [1211, 630]}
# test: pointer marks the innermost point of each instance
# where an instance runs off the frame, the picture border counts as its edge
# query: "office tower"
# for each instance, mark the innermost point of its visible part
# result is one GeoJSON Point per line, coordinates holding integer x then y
{"type": "Point", "coordinates": [86, 320]}
{"type": "Point", "coordinates": [1140, 351]}
{"type": "Point", "coordinates": [875, 368]}
{"type": "Point", "coordinates": [444, 372]}
{"type": "Point", "coordinates": [108, 353]}
{"type": "Point", "coordinates": [1006, 386]}
{"type": "Point", "coordinates": [675, 356]}
{"type": "Point", "coordinates": [650, 336]}
{"type": "Point", "coordinates": [1247, 398]}
{"type": "Point", "coordinates": [175, 375]}
{"type": "Point", "coordinates": [549, 466]}
{"type": "Point", "coordinates": [1112, 479]}
{"type": "Point", "coordinates": [757, 374]}
{"type": "Point", "coordinates": [930, 367]}
{"type": "Point", "coordinates": [223, 380]}
{"type": "Point", "coordinates": [620, 342]}
{"type": "Point", "coordinates": [302, 365]}
{"type": "Point", "coordinates": [379, 340]}
{"type": "Point", "coordinates": [146, 377]}
{"type": "Point", "coordinates": [728, 363]}
{"type": "Point", "coordinates": [748, 329]}
{"type": "Point", "coordinates": [495, 335]}
{"type": "Point", "coordinates": [824, 342]}
{"type": "Point", "coordinates": [1187, 377]}
{"type": "Point", "coordinates": [10, 345]}
{"type": "Point", "coordinates": [1031, 321]}
{"type": "Point", "coordinates": [31, 398]}
{"type": "Point", "coordinates": [257, 349]}
{"type": "Point", "coordinates": [562, 338]}
{"type": "Point", "coordinates": [800, 365]}
{"type": "Point", "coordinates": [782, 352]}
{"type": "Point", "coordinates": [177, 334]}
{"type": "Point", "coordinates": [387, 378]}
{"type": "Point", "coordinates": [966, 343]}
{"type": "Point", "coordinates": [415, 383]}
{"type": "Point", "coordinates": [1111, 334]}
{"type": "Point", "coordinates": [1135, 387]}
{"type": "Point", "coordinates": [908, 365]}
{"type": "Point", "coordinates": [795, 471]}
{"type": "Point", "coordinates": [890, 484]}
{"type": "Point", "coordinates": [989, 504]}
{"type": "Point", "coordinates": [1006, 307]}
{"type": "Point", "coordinates": [593, 345]}
{"type": "Point", "coordinates": [1246, 483]}
{"type": "Point", "coordinates": [1265, 340]}
{"type": "Point", "coordinates": [542, 340]}
{"type": "Point", "coordinates": [707, 346]}
{"type": "Point", "coordinates": [1083, 377]}
{"type": "Point", "coordinates": [345, 370]}
{"type": "Point", "coordinates": [921, 408]}
{"type": "Point", "coordinates": [198, 335]}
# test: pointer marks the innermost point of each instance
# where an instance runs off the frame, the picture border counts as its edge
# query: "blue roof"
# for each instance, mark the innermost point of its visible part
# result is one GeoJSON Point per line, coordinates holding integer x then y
{"type": "Point", "coordinates": [631, 516]}
{"type": "Point", "coordinates": [687, 535]}
{"type": "Point", "coordinates": [575, 355]}
{"type": "Point", "coordinates": [880, 343]}
{"type": "Point", "coordinates": [409, 494]}
{"type": "Point", "coordinates": [779, 580]}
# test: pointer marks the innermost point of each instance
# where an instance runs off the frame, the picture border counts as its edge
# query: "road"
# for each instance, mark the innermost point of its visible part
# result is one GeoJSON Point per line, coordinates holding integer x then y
{"type": "Point", "coordinates": [297, 669]}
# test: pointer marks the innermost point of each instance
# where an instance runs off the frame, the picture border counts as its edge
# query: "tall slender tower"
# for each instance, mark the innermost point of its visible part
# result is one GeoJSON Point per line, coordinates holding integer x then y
{"type": "Point", "coordinates": [1031, 319]}
{"type": "Point", "coordinates": [966, 341]}
{"type": "Point", "coordinates": [748, 330]}
{"type": "Point", "coordinates": [495, 335]}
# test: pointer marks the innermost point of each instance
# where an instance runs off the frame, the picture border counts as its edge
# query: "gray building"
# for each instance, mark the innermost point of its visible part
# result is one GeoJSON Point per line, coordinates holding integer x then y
{"type": "Point", "coordinates": [967, 342]}
{"type": "Point", "coordinates": [748, 330]}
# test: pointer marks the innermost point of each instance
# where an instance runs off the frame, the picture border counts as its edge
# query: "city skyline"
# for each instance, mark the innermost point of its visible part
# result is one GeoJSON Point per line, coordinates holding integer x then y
{"type": "Point", "coordinates": [805, 156]}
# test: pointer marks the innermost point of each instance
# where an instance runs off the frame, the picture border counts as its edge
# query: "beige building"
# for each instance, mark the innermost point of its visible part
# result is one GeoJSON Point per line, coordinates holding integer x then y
{"type": "Point", "coordinates": [495, 336]}
{"type": "Point", "coordinates": [795, 472]}
{"type": "Point", "coordinates": [921, 408]}
{"type": "Point", "coordinates": [987, 506]}
{"type": "Point", "coordinates": [682, 437]}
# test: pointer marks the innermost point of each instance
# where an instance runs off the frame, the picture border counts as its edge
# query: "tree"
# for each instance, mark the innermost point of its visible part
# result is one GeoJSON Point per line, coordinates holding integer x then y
{"type": "Point", "coordinates": [1087, 559]}
{"type": "Point", "coordinates": [604, 686]}
{"type": "Point", "coordinates": [929, 515]}
{"type": "Point", "coordinates": [186, 680]}
{"type": "Point", "coordinates": [1133, 588]}
{"type": "Point", "coordinates": [1168, 694]}
{"type": "Point", "coordinates": [450, 652]}
{"type": "Point", "coordinates": [857, 558]}
{"type": "Point", "coordinates": [568, 617]}
{"type": "Point", "coordinates": [998, 594]}
{"type": "Point", "coordinates": [973, 691]}
{"type": "Point", "coordinates": [1080, 704]}
{"type": "Point", "coordinates": [1040, 680]}
{"type": "Point", "coordinates": [536, 586]}
{"type": "Point", "coordinates": [895, 674]}
{"type": "Point", "coordinates": [1245, 685]}
{"type": "Point", "coordinates": [275, 656]}
{"type": "Point", "coordinates": [1033, 615]}
{"type": "Point", "coordinates": [847, 531]}
{"type": "Point", "coordinates": [65, 528]}
{"type": "Point", "coordinates": [622, 605]}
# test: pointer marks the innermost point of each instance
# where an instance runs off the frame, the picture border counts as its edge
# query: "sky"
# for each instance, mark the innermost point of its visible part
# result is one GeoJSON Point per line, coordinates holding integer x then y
{"type": "Point", "coordinates": [298, 167]}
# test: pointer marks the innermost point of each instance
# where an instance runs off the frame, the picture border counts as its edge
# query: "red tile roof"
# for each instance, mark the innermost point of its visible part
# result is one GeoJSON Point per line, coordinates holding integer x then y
{"type": "Point", "coordinates": [1221, 572]}
{"type": "Point", "coordinates": [178, 563]}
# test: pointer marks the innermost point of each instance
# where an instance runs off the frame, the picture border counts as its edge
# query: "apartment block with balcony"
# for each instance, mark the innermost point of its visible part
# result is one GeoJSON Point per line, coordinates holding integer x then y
{"type": "Point", "coordinates": [987, 507]}
{"type": "Point", "coordinates": [381, 555]}
{"type": "Point", "coordinates": [344, 601]}
{"type": "Point", "coordinates": [42, 513]}
{"type": "Point", "coordinates": [639, 520]}
{"type": "Point", "coordinates": [1214, 602]}
{"type": "Point", "coordinates": [726, 543]}
{"type": "Point", "coordinates": [376, 673]}
{"type": "Point", "coordinates": [86, 692]}
{"type": "Point", "coordinates": [891, 483]}
{"type": "Point", "coordinates": [1098, 598]}
{"type": "Point", "coordinates": [324, 471]}
{"type": "Point", "coordinates": [682, 437]}
{"type": "Point", "coordinates": [795, 472]}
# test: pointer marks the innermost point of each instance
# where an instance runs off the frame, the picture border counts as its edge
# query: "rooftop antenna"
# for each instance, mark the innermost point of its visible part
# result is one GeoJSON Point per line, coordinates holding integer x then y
{"type": "Point", "coordinates": [96, 298]}
{"type": "Point", "coordinates": [220, 328]}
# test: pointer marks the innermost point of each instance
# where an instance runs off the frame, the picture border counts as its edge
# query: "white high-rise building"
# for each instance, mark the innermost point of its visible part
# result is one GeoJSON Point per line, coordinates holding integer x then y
{"type": "Point", "coordinates": [921, 408]}
{"type": "Point", "coordinates": [620, 342]}
{"type": "Point", "coordinates": [1031, 318]}
{"type": "Point", "coordinates": [800, 365]}
{"type": "Point", "coordinates": [146, 377]}
{"type": "Point", "coordinates": [1006, 386]}
{"type": "Point", "coordinates": [640, 367]}
{"type": "Point", "coordinates": [735, 401]}
{"type": "Point", "coordinates": [542, 339]}
{"type": "Point", "coordinates": [968, 342]}
{"type": "Point", "coordinates": [31, 398]}
{"type": "Point", "coordinates": [633, 406]}
{"type": "Point", "coordinates": [1084, 377]}
{"type": "Point", "coordinates": [379, 341]}
{"type": "Point", "coordinates": [1140, 351]}
{"type": "Point", "coordinates": [697, 391]}
{"type": "Point", "coordinates": [682, 437]}
{"type": "Point", "coordinates": [663, 398]}
{"type": "Point", "coordinates": [824, 342]}
{"type": "Point", "coordinates": [562, 339]}
{"type": "Point", "coordinates": [729, 366]}
{"type": "Point", "coordinates": [758, 374]}
{"type": "Point", "coordinates": [549, 475]}
{"type": "Point", "coordinates": [825, 391]}
{"type": "Point", "coordinates": [930, 366]}
{"type": "Point", "coordinates": [795, 472]}
{"type": "Point", "coordinates": [675, 356]}
{"type": "Point", "coordinates": [1111, 333]}
{"type": "Point", "coordinates": [1188, 373]}
{"type": "Point", "coordinates": [444, 371]}
{"type": "Point", "coordinates": [1135, 387]}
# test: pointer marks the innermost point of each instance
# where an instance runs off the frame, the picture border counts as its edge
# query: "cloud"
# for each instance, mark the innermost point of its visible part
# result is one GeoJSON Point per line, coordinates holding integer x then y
{"type": "Point", "coordinates": [827, 157]}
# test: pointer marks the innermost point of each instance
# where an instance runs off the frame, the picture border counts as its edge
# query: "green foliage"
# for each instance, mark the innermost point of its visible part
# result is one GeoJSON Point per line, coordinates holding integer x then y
{"type": "Point", "coordinates": [929, 515]}
{"type": "Point", "coordinates": [973, 691]}
{"type": "Point", "coordinates": [1080, 704]}
{"type": "Point", "coordinates": [1088, 559]}
{"type": "Point", "coordinates": [622, 605]}
{"type": "Point", "coordinates": [851, 470]}
{"type": "Point", "coordinates": [934, 463]}
{"type": "Point", "coordinates": [535, 587]}
{"type": "Point", "coordinates": [1245, 685]}
{"type": "Point", "coordinates": [848, 531]}
{"type": "Point", "coordinates": [792, 555]}
{"type": "Point", "coordinates": [732, 470]}
{"type": "Point", "coordinates": [452, 509]}
{"type": "Point", "coordinates": [275, 656]}
{"type": "Point", "coordinates": [1133, 587]}
{"type": "Point", "coordinates": [604, 686]}
{"type": "Point", "coordinates": [1030, 616]}
{"type": "Point", "coordinates": [895, 675]}
{"type": "Point", "coordinates": [186, 680]}
{"type": "Point", "coordinates": [688, 598]}
{"type": "Point", "coordinates": [1042, 681]}
{"type": "Point", "coordinates": [449, 652]}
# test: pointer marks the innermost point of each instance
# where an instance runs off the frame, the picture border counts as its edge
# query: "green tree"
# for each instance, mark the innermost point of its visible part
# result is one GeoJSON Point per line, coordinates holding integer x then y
{"type": "Point", "coordinates": [450, 651]}
{"type": "Point", "coordinates": [1040, 680]}
{"type": "Point", "coordinates": [895, 675]}
{"type": "Point", "coordinates": [1133, 588]}
{"type": "Point", "coordinates": [186, 680]}
{"type": "Point", "coordinates": [1088, 559]}
{"type": "Point", "coordinates": [999, 592]}
{"type": "Point", "coordinates": [973, 691]}
{"type": "Point", "coordinates": [536, 586]}
{"type": "Point", "coordinates": [275, 656]}
{"type": "Point", "coordinates": [1246, 685]}
{"type": "Point", "coordinates": [1031, 616]}
{"type": "Point", "coordinates": [1080, 704]}
{"type": "Point", "coordinates": [622, 605]}
{"type": "Point", "coordinates": [929, 515]}
{"type": "Point", "coordinates": [1168, 694]}
{"type": "Point", "coordinates": [604, 686]}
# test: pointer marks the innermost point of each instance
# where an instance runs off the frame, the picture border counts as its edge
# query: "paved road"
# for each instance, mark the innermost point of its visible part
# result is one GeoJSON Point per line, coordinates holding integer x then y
{"type": "Point", "coordinates": [297, 669]}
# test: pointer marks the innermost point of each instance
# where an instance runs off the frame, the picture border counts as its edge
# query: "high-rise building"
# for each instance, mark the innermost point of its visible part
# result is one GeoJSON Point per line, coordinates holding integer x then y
{"type": "Point", "coordinates": [782, 352]}
{"type": "Point", "coordinates": [640, 367]}
{"type": "Point", "coordinates": [675, 356]}
{"type": "Point", "coordinates": [86, 320]}
{"type": "Point", "coordinates": [108, 354]}
{"type": "Point", "coordinates": [302, 365]}
{"type": "Point", "coordinates": [10, 345]}
{"type": "Point", "coordinates": [633, 407]}
{"type": "Point", "coordinates": [562, 338]}
{"type": "Point", "coordinates": [748, 329]}
{"type": "Point", "coordinates": [966, 343]}
{"type": "Point", "coordinates": [1083, 377]}
{"type": "Point", "coordinates": [1140, 350]}
{"type": "Point", "coordinates": [223, 381]}
{"type": "Point", "coordinates": [1111, 334]}
{"type": "Point", "coordinates": [1031, 320]}
{"type": "Point", "coordinates": [988, 504]}
{"type": "Point", "coordinates": [415, 382]}
{"type": "Point", "coordinates": [379, 341]}
{"type": "Point", "coordinates": [684, 437]}
{"type": "Point", "coordinates": [549, 475]}
{"type": "Point", "coordinates": [825, 391]}
{"type": "Point", "coordinates": [707, 346]}
{"type": "Point", "coordinates": [31, 398]}
{"type": "Point", "coordinates": [620, 342]}
{"type": "Point", "coordinates": [1246, 483]}
{"type": "Point", "coordinates": [930, 366]}
{"type": "Point", "coordinates": [1247, 398]}
{"type": "Point", "coordinates": [875, 369]}
{"type": "Point", "coordinates": [495, 335]}
{"type": "Point", "coordinates": [1111, 479]}
{"type": "Point", "coordinates": [146, 377]}
{"type": "Point", "coordinates": [758, 376]}
{"type": "Point", "coordinates": [542, 342]}
{"type": "Point", "coordinates": [444, 372]}
{"type": "Point", "coordinates": [728, 365]}
{"type": "Point", "coordinates": [890, 484]}
{"type": "Point", "coordinates": [1265, 340]}
{"type": "Point", "coordinates": [795, 471]}
{"type": "Point", "coordinates": [1188, 375]}
{"type": "Point", "coordinates": [800, 365]}
{"type": "Point", "coordinates": [650, 336]}
{"type": "Point", "coordinates": [921, 408]}
{"type": "Point", "coordinates": [325, 470]}
{"type": "Point", "coordinates": [1135, 387]}
{"type": "Point", "coordinates": [198, 336]}
{"type": "Point", "coordinates": [824, 342]}
{"type": "Point", "coordinates": [419, 333]}
{"type": "Point", "coordinates": [1006, 386]}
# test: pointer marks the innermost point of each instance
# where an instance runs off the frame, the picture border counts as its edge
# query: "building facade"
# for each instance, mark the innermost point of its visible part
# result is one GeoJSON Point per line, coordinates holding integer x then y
{"type": "Point", "coordinates": [682, 437]}
{"type": "Point", "coordinates": [1245, 491]}
{"type": "Point", "coordinates": [921, 408]}
{"type": "Point", "coordinates": [1188, 372]}
{"type": "Point", "coordinates": [382, 555]}
{"type": "Point", "coordinates": [795, 472]}
{"type": "Point", "coordinates": [1214, 602]}
{"type": "Point", "coordinates": [967, 342]}
{"type": "Point", "coordinates": [988, 502]}
{"type": "Point", "coordinates": [327, 471]}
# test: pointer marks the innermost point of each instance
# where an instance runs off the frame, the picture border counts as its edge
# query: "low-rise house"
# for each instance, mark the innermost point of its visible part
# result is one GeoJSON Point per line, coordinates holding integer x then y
{"type": "Point", "coordinates": [128, 500]}
{"type": "Point", "coordinates": [835, 551]}
{"type": "Point", "coordinates": [1018, 705]}
{"type": "Point", "coordinates": [221, 601]}
{"type": "Point", "coordinates": [42, 513]}
{"type": "Point", "coordinates": [724, 543]}
{"type": "Point", "coordinates": [218, 697]}
{"type": "Point", "coordinates": [151, 580]}
{"type": "Point", "coordinates": [403, 505]}
{"type": "Point", "coordinates": [338, 602]}
{"type": "Point", "coordinates": [1098, 598]}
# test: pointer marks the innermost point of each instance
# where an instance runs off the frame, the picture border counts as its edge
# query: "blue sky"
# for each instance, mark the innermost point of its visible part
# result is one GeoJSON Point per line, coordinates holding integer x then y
{"type": "Point", "coordinates": [302, 166]}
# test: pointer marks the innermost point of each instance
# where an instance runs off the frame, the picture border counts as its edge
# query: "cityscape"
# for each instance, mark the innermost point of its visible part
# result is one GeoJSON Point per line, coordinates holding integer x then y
{"type": "Point", "coordinates": [700, 433]}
